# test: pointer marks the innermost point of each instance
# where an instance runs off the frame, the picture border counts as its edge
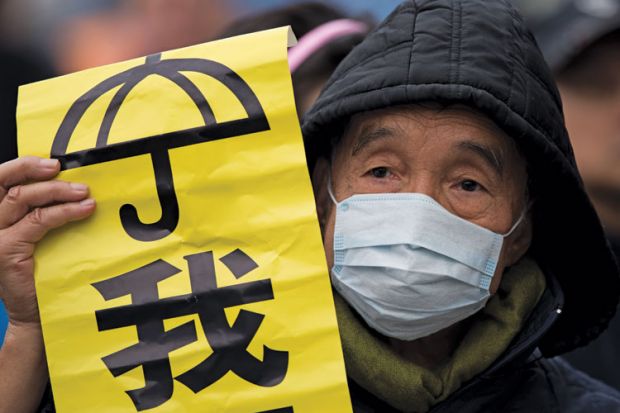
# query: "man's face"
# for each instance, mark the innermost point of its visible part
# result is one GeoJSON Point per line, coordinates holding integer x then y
{"type": "Point", "coordinates": [459, 158]}
{"type": "Point", "coordinates": [591, 96]}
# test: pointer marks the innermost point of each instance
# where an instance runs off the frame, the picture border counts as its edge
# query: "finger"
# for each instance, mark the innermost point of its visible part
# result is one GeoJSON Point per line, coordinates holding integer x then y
{"type": "Point", "coordinates": [26, 169]}
{"type": "Point", "coordinates": [39, 221]}
{"type": "Point", "coordinates": [21, 199]}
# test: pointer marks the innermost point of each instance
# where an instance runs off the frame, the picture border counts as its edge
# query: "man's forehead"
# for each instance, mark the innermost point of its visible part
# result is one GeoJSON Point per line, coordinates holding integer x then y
{"type": "Point", "coordinates": [390, 121]}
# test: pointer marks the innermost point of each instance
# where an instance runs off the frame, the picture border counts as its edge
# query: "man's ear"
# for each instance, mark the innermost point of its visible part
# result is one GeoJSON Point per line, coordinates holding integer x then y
{"type": "Point", "coordinates": [520, 241]}
{"type": "Point", "coordinates": [320, 176]}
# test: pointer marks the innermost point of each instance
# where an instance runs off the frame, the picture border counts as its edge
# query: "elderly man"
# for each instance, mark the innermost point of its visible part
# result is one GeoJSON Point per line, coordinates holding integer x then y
{"type": "Point", "coordinates": [463, 249]}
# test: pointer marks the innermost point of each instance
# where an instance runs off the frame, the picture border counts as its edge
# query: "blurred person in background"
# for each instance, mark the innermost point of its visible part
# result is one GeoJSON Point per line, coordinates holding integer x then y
{"type": "Point", "coordinates": [581, 43]}
{"type": "Point", "coordinates": [326, 35]}
{"type": "Point", "coordinates": [19, 64]}
{"type": "Point", "coordinates": [17, 67]}
{"type": "Point", "coordinates": [132, 28]}
{"type": "Point", "coordinates": [77, 34]}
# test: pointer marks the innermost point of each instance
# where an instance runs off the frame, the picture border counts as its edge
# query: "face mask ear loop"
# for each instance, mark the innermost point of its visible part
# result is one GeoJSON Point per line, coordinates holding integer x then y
{"type": "Point", "coordinates": [527, 208]}
{"type": "Point", "coordinates": [516, 224]}
{"type": "Point", "coordinates": [329, 189]}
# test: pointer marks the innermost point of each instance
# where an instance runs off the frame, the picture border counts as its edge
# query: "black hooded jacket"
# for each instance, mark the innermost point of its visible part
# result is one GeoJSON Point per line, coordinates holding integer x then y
{"type": "Point", "coordinates": [480, 53]}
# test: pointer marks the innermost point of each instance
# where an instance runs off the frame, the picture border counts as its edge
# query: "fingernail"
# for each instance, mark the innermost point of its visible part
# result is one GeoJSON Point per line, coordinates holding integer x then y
{"type": "Point", "coordinates": [49, 163]}
{"type": "Point", "coordinates": [78, 187]}
{"type": "Point", "coordinates": [87, 202]}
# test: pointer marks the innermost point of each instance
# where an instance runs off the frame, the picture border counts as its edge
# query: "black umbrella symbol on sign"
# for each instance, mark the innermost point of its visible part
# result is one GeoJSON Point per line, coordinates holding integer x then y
{"type": "Point", "coordinates": [158, 145]}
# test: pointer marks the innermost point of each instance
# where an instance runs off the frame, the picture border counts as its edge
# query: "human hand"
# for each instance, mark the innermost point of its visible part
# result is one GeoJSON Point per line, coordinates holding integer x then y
{"type": "Point", "coordinates": [31, 204]}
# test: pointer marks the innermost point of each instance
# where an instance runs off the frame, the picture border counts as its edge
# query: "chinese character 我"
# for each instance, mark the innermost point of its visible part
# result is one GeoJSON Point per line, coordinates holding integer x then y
{"type": "Point", "coordinates": [229, 343]}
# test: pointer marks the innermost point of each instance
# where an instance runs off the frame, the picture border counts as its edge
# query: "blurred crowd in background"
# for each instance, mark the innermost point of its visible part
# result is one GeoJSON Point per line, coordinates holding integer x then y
{"type": "Point", "coordinates": [75, 34]}
{"type": "Point", "coordinates": [580, 39]}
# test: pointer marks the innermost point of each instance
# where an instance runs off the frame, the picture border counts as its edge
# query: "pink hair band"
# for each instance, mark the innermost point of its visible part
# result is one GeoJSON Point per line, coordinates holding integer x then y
{"type": "Point", "coordinates": [318, 37]}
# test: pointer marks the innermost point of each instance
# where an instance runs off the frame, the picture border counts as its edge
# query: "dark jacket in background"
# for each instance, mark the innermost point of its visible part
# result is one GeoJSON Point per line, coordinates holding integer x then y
{"type": "Point", "coordinates": [601, 358]}
{"type": "Point", "coordinates": [16, 68]}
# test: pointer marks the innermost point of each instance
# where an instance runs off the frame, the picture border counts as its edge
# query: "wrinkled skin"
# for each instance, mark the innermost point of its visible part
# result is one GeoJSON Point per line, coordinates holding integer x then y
{"type": "Point", "coordinates": [457, 157]}
{"type": "Point", "coordinates": [31, 204]}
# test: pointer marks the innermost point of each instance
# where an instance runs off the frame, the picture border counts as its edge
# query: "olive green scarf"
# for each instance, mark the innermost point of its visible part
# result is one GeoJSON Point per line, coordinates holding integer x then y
{"type": "Point", "coordinates": [375, 366]}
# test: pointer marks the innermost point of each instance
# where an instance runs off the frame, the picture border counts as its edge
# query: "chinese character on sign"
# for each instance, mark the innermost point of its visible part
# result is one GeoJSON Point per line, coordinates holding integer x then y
{"type": "Point", "coordinates": [229, 343]}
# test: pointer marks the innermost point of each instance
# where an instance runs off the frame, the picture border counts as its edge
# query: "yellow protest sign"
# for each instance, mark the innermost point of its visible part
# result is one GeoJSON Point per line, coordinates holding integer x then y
{"type": "Point", "coordinates": [200, 283]}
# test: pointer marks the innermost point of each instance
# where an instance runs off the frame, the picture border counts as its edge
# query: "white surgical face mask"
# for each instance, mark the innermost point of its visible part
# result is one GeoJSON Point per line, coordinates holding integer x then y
{"type": "Point", "coordinates": [408, 266]}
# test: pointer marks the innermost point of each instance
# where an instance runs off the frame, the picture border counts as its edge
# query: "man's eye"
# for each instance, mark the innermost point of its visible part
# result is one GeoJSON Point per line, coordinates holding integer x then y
{"type": "Point", "coordinates": [469, 185]}
{"type": "Point", "coordinates": [380, 172]}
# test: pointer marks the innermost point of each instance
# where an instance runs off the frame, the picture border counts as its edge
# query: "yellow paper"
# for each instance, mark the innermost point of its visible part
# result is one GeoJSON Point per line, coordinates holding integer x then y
{"type": "Point", "coordinates": [127, 302]}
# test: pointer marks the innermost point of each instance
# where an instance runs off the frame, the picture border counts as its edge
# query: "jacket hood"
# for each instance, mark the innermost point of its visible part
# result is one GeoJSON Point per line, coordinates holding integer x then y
{"type": "Point", "coordinates": [479, 53]}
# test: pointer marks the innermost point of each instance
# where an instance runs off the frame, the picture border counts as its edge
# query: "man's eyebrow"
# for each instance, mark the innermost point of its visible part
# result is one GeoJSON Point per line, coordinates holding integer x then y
{"type": "Point", "coordinates": [491, 157]}
{"type": "Point", "coordinates": [369, 135]}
